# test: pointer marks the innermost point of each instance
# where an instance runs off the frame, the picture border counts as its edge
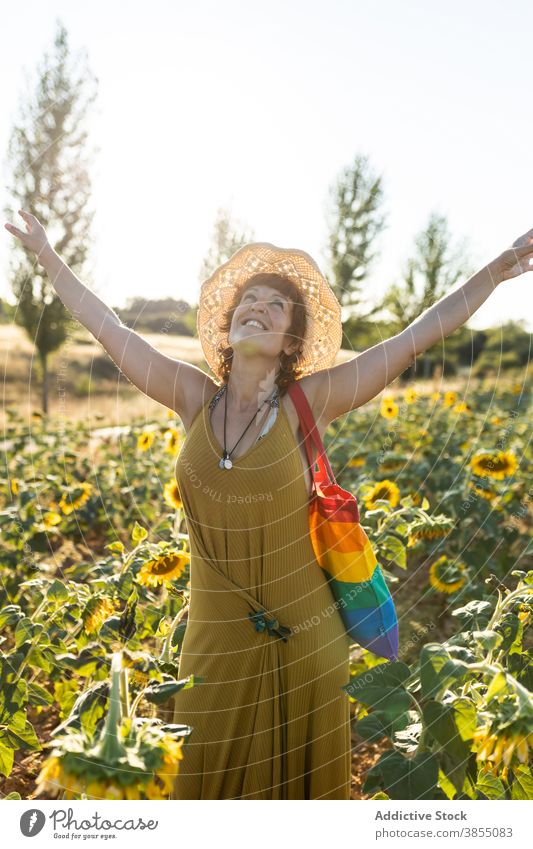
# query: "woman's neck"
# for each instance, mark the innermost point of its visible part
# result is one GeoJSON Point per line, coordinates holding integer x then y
{"type": "Point", "coordinates": [246, 390]}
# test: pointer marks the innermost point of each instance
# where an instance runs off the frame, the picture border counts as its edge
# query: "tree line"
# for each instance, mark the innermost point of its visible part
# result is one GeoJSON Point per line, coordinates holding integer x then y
{"type": "Point", "coordinates": [49, 166]}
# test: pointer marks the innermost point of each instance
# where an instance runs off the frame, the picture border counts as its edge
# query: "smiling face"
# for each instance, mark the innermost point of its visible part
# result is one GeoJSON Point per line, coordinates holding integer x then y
{"type": "Point", "coordinates": [266, 306]}
{"type": "Point", "coordinates": [277, 303]}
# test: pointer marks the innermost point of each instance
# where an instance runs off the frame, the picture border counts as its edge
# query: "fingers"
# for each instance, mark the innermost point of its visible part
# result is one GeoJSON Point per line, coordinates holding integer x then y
{"type": "Point", "coordinates": [524, 241]}
{"type": "Point", "coordinates": [28, 220]}
{"type": "Point", "coordinates": [520, 248]}
{"type": "Point", "coordinates": [14, 230]}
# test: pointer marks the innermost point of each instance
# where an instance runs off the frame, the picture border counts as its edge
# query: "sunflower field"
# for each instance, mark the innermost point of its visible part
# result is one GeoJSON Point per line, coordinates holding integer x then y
{"type": "Point", "coordinates": [94, 590]}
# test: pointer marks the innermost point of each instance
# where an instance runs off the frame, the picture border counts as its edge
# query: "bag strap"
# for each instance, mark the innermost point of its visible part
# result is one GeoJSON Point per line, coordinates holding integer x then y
{"type": "Point", "coordinates": [311, 434]}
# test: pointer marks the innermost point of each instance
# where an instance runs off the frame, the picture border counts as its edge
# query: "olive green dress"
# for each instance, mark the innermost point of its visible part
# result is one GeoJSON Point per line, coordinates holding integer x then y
{"type": "Point", "coordinates": [270, 720]}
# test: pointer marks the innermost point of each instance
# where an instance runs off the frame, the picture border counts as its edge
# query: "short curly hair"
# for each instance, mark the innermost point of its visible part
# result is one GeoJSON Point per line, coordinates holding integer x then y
{"type": "Point", "coordinates": [289, 370]}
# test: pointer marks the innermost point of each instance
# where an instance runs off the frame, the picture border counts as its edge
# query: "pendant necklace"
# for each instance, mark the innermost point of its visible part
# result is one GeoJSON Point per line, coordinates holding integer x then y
{"type": "Point", "coordinates": [225, 462]}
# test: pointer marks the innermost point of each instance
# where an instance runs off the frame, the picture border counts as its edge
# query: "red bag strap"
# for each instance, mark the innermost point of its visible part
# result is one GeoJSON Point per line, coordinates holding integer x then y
{"type": "Point", "coordinates": [310, 433]}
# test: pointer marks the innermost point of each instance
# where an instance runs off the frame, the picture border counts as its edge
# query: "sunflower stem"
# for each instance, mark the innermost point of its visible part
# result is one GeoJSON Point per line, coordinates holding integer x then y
{"type": "Point", "coordinates": [109, 748]}
{"type": "Point", "coordinates": [41, 607]}
{"type": "Point", "coordinates": [137, 699]}
{"type": "Point", "coordinates": [422, 742]}
{"type": "Point", "coordinates": [166, 653]}
{"type": "Point", "coordinates": [129, 558]}
{"type": "Point", "coordinates": [124, 692]}
{"type": "Point", "coordinates": [501, 603]}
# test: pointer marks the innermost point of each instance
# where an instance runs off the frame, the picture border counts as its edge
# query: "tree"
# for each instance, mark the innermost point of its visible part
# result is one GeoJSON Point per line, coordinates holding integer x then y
{"type": "Point", "coordinates": [353, 223]}
{"type": "Point", "coordinates": [164, 315]}
{"type": "Point", "coordinates": [226, 240]}
{"type": "Point", "coordinates": [50, 179]}
{"type": "Point", "coordinates": [430, 273]}
{"type": "Point", "coordinates": [507, 346]}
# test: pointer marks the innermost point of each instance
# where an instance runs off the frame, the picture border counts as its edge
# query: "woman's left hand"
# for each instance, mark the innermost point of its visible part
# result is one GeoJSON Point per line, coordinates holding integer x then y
{"type": "Point", "coordinates": [515, 260]}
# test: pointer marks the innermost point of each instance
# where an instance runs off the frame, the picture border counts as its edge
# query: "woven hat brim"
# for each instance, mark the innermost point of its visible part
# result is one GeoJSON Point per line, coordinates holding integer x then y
{"type": "Point", "coordinates": [324, 328]}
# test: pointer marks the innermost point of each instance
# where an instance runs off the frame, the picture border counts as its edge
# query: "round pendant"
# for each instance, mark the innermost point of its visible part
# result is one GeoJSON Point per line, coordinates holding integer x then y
{"type": "Point", "coordinates": [221, 463]}
{"type": "Point", "coordinates": [227, 463]}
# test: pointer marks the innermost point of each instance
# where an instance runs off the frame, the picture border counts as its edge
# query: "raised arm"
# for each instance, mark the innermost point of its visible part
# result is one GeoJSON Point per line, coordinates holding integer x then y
{"type": "Point", "coordinates": [173, 383]}
{"type": "Point", "coordinates": [344, 387]}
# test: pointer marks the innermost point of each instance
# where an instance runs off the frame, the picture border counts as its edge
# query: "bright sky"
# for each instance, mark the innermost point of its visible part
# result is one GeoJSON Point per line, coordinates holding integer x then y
{"type": "Point", "coordinates": [257, 106]}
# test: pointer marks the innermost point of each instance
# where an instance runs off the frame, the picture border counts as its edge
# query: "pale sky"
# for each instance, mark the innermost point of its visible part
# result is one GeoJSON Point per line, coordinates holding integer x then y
{"type": "Point", "coordinates": [257, 106]}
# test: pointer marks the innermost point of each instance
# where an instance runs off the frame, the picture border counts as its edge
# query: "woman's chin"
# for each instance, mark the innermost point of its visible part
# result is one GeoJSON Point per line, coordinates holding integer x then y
{"type": "Point", "coordinates": [251, 346]}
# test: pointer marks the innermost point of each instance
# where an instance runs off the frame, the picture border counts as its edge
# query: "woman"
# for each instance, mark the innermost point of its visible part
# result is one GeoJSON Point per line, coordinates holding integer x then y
{"type": "Point", "coordinates": [270, 719]}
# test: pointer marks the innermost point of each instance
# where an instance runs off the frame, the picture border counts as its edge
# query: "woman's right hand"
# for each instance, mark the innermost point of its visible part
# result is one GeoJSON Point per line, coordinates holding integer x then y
{"type": "Point", "coordinates": [35, 238]}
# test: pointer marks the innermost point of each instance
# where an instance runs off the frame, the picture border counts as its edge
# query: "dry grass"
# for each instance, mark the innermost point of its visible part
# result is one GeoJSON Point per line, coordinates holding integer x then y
{"type": "Point", "coordinates": [83, 379]}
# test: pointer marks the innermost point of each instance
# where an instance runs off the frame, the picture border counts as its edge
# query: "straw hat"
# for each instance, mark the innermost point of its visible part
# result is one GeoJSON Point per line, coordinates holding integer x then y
{"type": "Point", "coordinates": [324, 329]}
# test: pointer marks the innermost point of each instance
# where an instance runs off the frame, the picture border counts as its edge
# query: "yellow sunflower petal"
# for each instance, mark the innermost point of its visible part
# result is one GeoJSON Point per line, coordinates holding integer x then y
{"type": "Point", "coordinates": [172, 495]}
{"type": "Point", "coordinates": [164, 568]}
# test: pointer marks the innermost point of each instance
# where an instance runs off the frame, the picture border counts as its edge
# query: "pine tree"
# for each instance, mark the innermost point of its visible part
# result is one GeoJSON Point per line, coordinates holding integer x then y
{"type": "Point", "coordinates": [50, 179]}
{"type": "Point", "coordinates": [354, 222]}
{"type": "Point", "coordinates": [430, 273]}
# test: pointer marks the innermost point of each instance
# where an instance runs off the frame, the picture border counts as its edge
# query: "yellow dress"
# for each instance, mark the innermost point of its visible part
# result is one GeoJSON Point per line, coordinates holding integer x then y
{"type": "Point", "coordinates": [270, 720]}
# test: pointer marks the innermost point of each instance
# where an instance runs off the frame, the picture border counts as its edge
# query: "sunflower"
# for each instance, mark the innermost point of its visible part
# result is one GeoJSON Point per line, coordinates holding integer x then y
{"type": "Point", "coordinates": [488, 494]}
{"type": "Point", "coordinates": [172, 495]}
{"type": "Point", "coordinates": [172, 438]}
{"type": "Point", "coordinates": [97, 610]}
{"type": "Point", "coordinates": [516, 388]}
{"type": "Point", "coordinates": [423, 528]}
{"type": "Point", "coordinates": [171, 414]}
{"type": "Point", "coordinates": [54, 778]}
{"type": "Point", "coordinates": [68, 508]}
{"type": "Point", "coordinates": [151, 754]}
{"type": "Point", "coordinates": [166, 567]}
{"type": "Point", "coordinates": [425, 533]}
{"type": "Point", "coordinates": [496, 749]}
{"type": "Point", "coordinates": [450, 398]}
{"type": "Point", "coordinates": [495, 420]}
{"type": "Point", "coordinates": [392, 462]}
{"type": "Point", "coordinates": [387, 490]}
{"type": "Point", "coordinates": [145, 440]}
{"type": "Point", "coordinates": [411, 395]}
{"type": "Point", "coordinates": [51, 518]}
{"type": "Point", "coordinates": [435, 396]}
{"type": "Point", "coordinates": [499, 465]}
{"type": "Point", "coordinates": [388, 409]}
{"type": "Point", "coordinates": [524, 614]}
{"type": "Point", "coordinates": [461, 407]}
{"type": "Point", "coordinates": [173, 755]}
{"type": "Point", "coordinates": [138, 678]}
{"type": "Point", "coordinates": [446, 577]}
{"type": "Point", "coordinates": [423, 438]}
{"type": "Point", "coordinates": [14, 486]}
{"type": "Point", "coordinates": [356, 461]}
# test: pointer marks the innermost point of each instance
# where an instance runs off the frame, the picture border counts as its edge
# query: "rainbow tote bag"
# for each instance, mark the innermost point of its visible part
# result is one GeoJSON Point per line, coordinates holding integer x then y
{"type": "Point", "coordinates": [343, 550]}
